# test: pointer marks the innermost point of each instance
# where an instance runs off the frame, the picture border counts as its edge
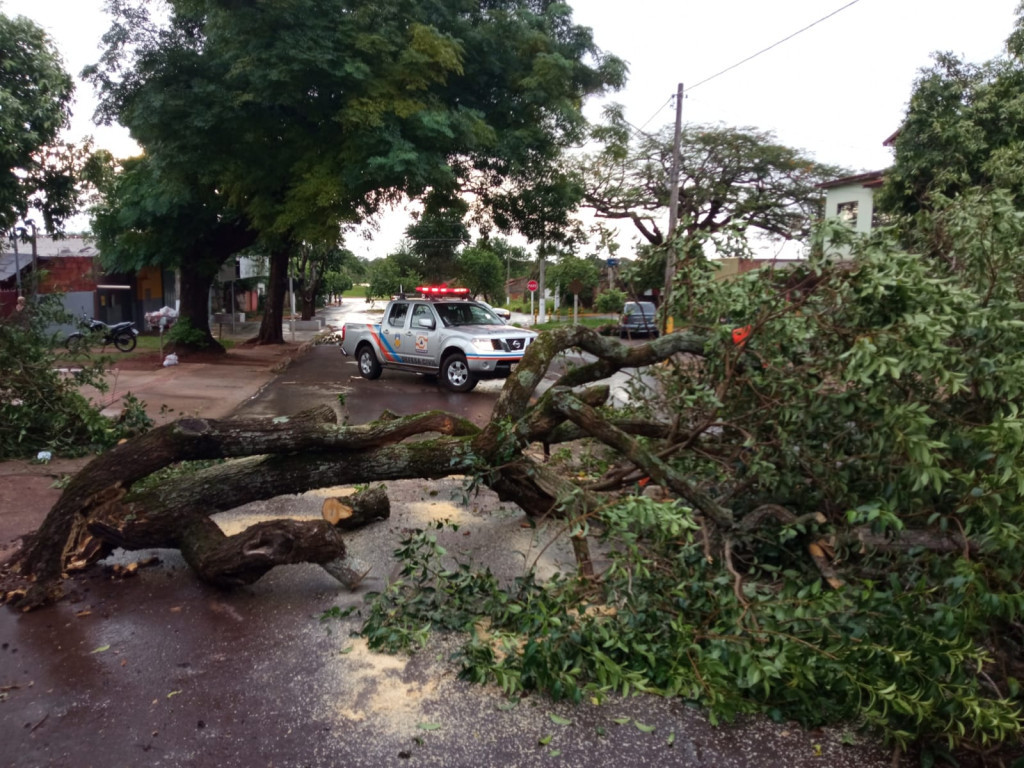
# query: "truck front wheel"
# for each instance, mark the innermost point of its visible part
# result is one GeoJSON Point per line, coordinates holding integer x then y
{"type": "Point", "coordinates": [369, 367]}
{"type": "Point", "coordinates": [455, 373]}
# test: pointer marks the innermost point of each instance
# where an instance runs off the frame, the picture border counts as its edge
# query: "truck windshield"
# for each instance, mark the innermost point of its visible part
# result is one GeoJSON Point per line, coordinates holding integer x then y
{"type": "Point", "coordinates": [465, 313]}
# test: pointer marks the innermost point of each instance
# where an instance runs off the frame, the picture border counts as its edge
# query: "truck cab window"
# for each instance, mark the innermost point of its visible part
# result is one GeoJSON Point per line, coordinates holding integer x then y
{"type": "Point", "coordinates": [396, 318]}
{"type": "Point", "coordinates": [422, 317]}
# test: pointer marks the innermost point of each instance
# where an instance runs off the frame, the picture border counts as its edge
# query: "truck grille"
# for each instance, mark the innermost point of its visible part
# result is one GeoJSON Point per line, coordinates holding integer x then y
{"type": "Point", "coordinates": [517, 344]}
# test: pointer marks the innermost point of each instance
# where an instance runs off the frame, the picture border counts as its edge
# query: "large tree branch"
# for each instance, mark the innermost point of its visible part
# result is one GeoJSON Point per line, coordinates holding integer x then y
{"type": "Point", "coordinates": [612, 356]}
{"type": "Point", "coordinates": [591, 421]}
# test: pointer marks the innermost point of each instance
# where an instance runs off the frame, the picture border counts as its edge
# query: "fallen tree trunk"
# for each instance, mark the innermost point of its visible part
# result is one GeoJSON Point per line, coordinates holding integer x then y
{"type": "Point", "coordinates": [230, 561]}
{"type": "Point", "coordinates": [102, 507]}
{"type": "Point", "coordinates": [317, 455]}
{"type": "Point", "coordinates": [155, 517]}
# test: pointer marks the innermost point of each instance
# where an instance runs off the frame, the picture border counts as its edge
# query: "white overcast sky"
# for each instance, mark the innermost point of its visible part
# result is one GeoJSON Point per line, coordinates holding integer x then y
{"type": "Point", "coordinates": [836, 90]}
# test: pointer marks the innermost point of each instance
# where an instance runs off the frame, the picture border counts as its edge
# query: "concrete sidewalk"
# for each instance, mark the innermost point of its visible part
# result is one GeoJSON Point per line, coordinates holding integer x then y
{"type": "Point", "coordinates": [210, 386]}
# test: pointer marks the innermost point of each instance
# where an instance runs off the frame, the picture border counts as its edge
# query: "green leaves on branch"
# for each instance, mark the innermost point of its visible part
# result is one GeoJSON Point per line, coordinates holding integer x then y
{"type": "Point", "coordinates": [665, 620]}
{"type": "Point", "coordinates": [41, 408]}
{"type": "Point", "coordinates": [36, 170]}
{"type": "Point", "coordinates": [868, 440]}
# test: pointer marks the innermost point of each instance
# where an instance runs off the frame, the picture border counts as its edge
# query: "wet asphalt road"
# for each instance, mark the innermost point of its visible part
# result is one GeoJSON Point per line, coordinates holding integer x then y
{"type": "Point", "coordinates": [323, 376]}
{"type": "Point", "coordinates": [161, 670]}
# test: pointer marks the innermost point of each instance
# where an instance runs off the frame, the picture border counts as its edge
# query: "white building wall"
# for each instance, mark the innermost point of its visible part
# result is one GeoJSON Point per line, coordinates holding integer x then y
{"type": "Point", "coordinates": [857, 199]}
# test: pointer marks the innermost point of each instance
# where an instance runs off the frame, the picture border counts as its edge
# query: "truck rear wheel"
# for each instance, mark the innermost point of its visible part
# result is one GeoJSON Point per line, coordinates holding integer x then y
{"type": "Point", "coordinates": [369, 366]}
{"type": "Point", "coordinates": [455, 373]}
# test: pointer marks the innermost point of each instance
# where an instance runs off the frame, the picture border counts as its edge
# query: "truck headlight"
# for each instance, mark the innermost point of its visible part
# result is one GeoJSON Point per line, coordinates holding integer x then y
{"type": "Point", "coordinates": [482, 345]}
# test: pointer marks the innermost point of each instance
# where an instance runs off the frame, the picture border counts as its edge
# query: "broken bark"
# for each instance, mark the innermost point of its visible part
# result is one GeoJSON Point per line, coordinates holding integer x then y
{"type": "Point", "coordinates": [227, 561]}
{"type": "Point", "coordinates": [335, 511]}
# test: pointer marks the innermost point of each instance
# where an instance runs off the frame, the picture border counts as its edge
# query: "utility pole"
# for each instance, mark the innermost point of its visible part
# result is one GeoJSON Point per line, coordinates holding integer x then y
{"type": "Point", "coordinates": [17, 265]}
{"type": "Point", "coordinates": [673, 213]}
{"type": "Point", "coordinates": [543, 308]}
{"type": "Point", "coordinates": [35, 261]}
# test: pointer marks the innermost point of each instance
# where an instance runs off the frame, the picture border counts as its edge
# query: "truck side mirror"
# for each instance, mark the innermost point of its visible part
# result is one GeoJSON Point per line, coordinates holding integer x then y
{"type": "Point", "coordinates": [425, 322]}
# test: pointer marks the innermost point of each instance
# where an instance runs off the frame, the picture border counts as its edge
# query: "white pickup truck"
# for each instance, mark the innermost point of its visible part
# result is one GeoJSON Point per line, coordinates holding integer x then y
{"type": "Point", "coordinates": [440, 332]}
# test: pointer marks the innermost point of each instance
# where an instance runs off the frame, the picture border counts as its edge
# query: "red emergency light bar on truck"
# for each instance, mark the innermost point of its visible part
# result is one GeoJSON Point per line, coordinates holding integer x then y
{"type": "Point", "coordinates": [441, 290]}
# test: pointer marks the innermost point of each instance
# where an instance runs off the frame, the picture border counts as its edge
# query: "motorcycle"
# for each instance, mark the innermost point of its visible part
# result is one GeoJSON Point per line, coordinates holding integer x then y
{"type": "Point", "coordinates": [121, 335]}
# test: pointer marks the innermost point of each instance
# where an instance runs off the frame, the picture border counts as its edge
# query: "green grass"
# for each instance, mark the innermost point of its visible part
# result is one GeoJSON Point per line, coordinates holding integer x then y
{"type": "Point", "coordinates": [145, 344]}
{"type": "Point", "coordinates": [148, 343]}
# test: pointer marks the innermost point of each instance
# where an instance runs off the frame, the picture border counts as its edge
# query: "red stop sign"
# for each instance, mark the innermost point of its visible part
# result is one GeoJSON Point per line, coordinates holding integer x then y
{"type": "Point", "coordinates": [532, 285]}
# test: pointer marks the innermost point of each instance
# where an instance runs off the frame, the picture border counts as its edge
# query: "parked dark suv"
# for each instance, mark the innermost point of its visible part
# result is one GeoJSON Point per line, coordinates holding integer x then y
{"type": "Point", "coordinates": [638, 319]}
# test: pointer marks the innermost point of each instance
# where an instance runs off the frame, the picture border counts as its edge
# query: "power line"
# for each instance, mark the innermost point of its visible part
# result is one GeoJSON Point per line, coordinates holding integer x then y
{"type": "Point", "coordinates": [658, 111]}
{"type": "Point", "coordinates": [770, 47]}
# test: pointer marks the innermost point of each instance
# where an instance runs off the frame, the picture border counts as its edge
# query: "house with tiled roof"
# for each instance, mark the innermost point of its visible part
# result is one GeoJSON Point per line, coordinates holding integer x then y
{"type": "Point", "coordinates": [70, 266]}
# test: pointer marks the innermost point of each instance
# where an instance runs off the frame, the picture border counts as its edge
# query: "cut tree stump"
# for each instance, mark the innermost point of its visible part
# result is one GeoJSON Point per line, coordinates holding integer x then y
{"type": "Point", "coordinates": [357, 509]}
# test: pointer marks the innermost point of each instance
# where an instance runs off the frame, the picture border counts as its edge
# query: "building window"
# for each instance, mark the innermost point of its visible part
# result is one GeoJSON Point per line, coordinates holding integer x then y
{"type": "Point", "coordinates": [847, 213]}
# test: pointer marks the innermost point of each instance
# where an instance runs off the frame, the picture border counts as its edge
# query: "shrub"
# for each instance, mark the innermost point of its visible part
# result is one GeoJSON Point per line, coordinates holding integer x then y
{"type": "Point", "coordinates": [186, 334]}
{"type": "Point", "coordinates": [41, 407]}
{"type": "Point", "coordinates": [612, 300]}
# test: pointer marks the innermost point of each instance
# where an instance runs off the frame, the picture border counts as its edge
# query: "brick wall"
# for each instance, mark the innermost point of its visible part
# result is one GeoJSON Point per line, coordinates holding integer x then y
{"type": "Point", "coordinates": [69, 274]}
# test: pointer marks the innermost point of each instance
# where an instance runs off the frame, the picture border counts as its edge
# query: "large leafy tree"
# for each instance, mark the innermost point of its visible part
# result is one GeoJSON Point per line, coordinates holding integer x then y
{"type": "Point", "coordinates": [964, 129]}
{"type": "Point", "coordinates": [729, 178]}
{"type": "Point", "coordinates": [307, 113]}
{"type": "Point", "coordinates": [571, 271]}
{"type": "Point", "coordinates": [482, 271]}
{"type": "Point", "coordinates": [145, 218]}
{"type": "Point", "coordinates": [36, 171]}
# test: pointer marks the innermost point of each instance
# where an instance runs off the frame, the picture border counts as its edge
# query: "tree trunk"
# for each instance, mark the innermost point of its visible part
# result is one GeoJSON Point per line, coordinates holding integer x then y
{"type": "Point", "coordinates": [228, 561]}
{"type": "Point", "coordinates": [197, 275]}
{"type": "Point", "coordinates": [198, 271]}
{"type": "Point", "coordinates": [271, 328]}
{"type": "Point", "coordinates": [314, 454]}
{"type": "Point", "coordinates": [232, 561]}
{"type": "Point", "coordinates": [310, 288]}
